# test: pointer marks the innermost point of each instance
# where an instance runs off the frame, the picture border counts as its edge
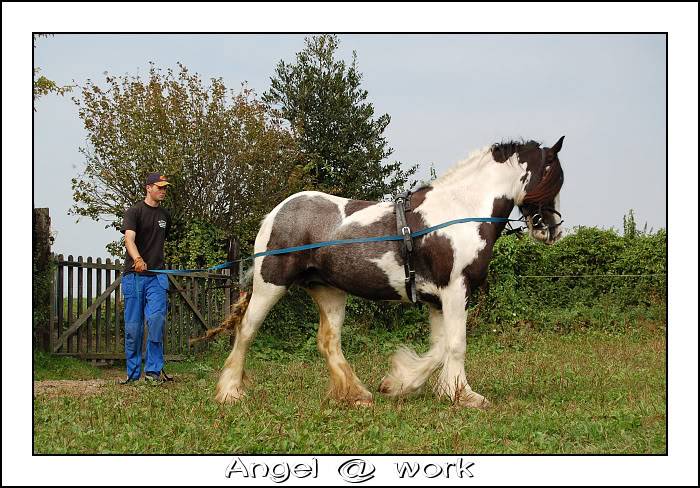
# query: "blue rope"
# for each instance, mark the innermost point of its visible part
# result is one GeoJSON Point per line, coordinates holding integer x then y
{"type": "Point", "coordinates": [316, 245]}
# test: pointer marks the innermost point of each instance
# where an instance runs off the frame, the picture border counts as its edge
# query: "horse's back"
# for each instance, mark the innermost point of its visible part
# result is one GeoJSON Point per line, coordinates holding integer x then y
{"type": "Point", "coordinates": [302, 216]}
{"type": "Point", "coordinates": [311, 217]}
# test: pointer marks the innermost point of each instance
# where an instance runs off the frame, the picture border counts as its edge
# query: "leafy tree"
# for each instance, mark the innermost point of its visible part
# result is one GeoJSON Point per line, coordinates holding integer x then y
{"type": "Point", "coordinates": [228, 156]}
{"type": "Point", "coordinates": [342, 142]}
{"type": "Point", "coordinates": [42, 85]}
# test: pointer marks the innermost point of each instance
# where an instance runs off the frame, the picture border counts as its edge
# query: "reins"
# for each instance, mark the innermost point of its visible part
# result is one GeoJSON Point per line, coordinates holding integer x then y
{"type": "Point", "coordinates": [339, 242]}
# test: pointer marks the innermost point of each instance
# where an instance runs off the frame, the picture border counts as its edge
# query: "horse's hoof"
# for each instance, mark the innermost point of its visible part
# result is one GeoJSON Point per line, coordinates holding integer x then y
{"type": "Point", "coordinates": [473, 400]}
{"type": "Point", "coordinates": [385, 386]}
{"type": "Point", "coordinates": [363, 403]}
{"type": "Point", "coordinates": [232, 396]}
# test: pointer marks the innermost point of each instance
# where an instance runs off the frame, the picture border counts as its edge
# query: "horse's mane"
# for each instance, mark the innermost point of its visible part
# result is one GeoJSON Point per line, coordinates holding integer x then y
{"type": "Point", "coordinates": [473, 157]}
{"type": "Point", "coordinates": [545, 190]}
{"type": "Point", "coordinates": [502, 151]}
{"type": "Point", "coordinates": [548, 187]}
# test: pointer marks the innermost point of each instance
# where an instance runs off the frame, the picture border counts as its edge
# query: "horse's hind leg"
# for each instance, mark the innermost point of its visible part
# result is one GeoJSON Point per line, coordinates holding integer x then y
{"type": "Point", "coordinates": [230, 385]}
{"type": "Point", "coordinates": [345, 386]}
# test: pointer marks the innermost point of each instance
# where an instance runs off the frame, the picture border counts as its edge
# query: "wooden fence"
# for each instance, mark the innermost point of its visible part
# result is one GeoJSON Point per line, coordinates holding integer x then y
{"type": "Point", "coordinates": [87, 309]}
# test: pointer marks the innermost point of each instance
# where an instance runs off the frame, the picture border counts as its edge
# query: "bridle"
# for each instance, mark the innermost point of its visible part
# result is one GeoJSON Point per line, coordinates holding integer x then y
{"type": "Point", "coordinates": [535, 221]}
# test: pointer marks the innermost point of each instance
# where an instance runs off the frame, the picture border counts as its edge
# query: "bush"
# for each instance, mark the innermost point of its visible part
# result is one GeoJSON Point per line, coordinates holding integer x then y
{"type": "Point", "coordinates": [535, 283]}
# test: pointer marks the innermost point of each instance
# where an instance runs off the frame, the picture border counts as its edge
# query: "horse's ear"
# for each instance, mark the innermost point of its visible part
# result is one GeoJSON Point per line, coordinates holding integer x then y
{"type": "Point", "coordinates": [557, 147]}
{"type": "Point", "coordinates": [554, 150]}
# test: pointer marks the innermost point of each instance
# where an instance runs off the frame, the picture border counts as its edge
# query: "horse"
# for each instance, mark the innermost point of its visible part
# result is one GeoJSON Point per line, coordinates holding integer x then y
{"type": "Point", "coordinates": [449, 264]}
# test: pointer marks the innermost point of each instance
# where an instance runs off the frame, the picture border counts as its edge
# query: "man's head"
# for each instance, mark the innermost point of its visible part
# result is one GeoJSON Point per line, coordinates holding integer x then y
{"type": "Point", "coordinates": [156, 186]}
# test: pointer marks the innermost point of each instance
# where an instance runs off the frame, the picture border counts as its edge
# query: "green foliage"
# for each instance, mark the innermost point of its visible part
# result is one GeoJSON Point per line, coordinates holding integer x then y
{"type": "Point", "coordinates": [228, 156]}
{"type": "Point", "coordinates": [201, 245]}
{"type": "Point", "coordinates": [44, 86]}
{"type": "Point", "coordinates": [43, 268]}
{"type": "Point", "coordinates": [343, 144]}
{"type": "Point", "coordinates": [41, 296]}
{"type": "Point", "coordinates": [629, 225]}
{"type": "Point", "coordinates": [566, 284]}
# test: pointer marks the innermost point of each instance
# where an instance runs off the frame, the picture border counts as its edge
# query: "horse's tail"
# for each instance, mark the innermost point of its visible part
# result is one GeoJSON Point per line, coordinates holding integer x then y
{"type": "Point", "coordinates": [247, 279]}
{"type": "Point", "coordinates": [232, 322]}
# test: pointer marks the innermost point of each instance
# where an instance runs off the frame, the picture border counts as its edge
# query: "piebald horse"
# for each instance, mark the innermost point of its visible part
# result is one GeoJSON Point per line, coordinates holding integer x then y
{"type": "Point", "coordinates": [449, 264]}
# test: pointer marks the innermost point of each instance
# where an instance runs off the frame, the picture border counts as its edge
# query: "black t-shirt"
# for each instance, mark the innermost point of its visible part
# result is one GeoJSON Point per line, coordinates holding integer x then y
{"type": "Point", "coordinates": [151, 225]}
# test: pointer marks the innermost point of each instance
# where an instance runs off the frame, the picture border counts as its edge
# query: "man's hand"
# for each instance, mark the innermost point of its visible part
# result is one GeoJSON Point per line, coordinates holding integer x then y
{"type": "Point", "coordinates": [140, 265]}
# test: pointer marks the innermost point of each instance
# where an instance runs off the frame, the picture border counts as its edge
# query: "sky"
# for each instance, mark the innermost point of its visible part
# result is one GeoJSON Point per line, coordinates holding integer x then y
{"type": "Point", "coordinates": [447, 95]}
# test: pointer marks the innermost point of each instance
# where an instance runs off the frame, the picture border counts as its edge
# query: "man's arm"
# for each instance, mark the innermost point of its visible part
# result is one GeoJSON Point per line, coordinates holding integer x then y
{"type": "Point", "coordinates": [130, 241]}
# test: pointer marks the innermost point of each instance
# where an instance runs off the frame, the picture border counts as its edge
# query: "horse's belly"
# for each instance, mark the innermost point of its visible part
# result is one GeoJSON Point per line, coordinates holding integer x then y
{"type": "Point", "coordinates": [368, 270]}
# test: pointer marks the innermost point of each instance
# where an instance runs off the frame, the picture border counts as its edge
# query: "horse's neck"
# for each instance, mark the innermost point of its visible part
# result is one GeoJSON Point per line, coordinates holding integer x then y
{"type": "Point", "coordinates": [474, 187]}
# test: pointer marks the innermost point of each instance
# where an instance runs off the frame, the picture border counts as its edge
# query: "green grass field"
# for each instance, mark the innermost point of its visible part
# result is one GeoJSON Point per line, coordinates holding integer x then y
{"type": "Point", "coordinates": [578, 393]}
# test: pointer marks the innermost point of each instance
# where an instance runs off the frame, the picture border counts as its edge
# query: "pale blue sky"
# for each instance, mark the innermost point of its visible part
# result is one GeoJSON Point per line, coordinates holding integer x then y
{"type": "Point", "coordinates": [447, 95]}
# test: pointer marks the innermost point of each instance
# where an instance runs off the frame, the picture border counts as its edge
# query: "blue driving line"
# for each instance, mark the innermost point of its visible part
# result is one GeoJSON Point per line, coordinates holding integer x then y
{"type": "Point", "coordinates": [316, 245]}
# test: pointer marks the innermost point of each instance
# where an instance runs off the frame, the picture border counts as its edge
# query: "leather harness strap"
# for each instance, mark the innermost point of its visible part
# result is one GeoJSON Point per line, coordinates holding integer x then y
{"type": "Point", "coordinates": [402, 204]}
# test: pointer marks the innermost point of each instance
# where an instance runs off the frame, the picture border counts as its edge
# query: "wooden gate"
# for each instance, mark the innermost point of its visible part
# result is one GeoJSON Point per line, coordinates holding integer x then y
{"type": "Point", "coordinates": [87, 310]}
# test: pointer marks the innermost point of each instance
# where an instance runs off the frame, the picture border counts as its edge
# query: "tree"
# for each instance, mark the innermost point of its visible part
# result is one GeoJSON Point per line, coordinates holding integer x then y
{"type": "Point", "coordinates": [228, 156]}
{"type": "Point", "coordinates": [42, 85]}
{"type": "Point", "coordinates": [342, 142]}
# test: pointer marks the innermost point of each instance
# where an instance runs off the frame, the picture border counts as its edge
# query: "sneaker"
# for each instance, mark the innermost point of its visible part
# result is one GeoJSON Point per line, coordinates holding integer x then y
{"type": "Point", "coordinates": [128, 381]}
{"type": "Point", "coordinates": [158, 377]}
{"type": "Point", "coordinates": [153, 378]}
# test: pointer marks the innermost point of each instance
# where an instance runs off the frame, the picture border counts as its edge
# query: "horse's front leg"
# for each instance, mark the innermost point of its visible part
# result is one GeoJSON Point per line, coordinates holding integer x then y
{"type": "Point", "coordinates": [409, 371]}
{"type": "Point", "coordinates": [453, 379]}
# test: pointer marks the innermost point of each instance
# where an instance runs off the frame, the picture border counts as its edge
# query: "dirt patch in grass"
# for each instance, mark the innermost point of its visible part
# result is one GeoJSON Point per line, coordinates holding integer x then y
{"type": "Point", "coordinates": [74, 388]}
{"type": "Point", "coordinates": [96, 386]}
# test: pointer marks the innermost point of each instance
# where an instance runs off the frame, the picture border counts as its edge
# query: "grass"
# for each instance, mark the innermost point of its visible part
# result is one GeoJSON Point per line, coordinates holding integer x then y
{"type": "Point", "coordinates": [579, 393]}
{"type": "Point", "coordinates": [49, 367]}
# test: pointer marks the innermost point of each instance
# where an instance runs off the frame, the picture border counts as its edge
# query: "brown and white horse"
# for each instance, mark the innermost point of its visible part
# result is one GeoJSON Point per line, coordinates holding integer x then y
{"type": "Point", "coordinates": [449, 264]}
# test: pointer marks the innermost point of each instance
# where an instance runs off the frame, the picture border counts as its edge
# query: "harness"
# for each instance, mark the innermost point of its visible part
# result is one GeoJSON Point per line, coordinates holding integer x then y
{"type": "Point", "coordinates": [536, 221]}
{"type": "Point", "coordinates": [402, 204]}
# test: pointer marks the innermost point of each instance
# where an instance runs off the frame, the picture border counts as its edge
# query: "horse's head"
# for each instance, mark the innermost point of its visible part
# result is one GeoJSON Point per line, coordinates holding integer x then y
{"type": "Point", "coordinates": [542, 182]}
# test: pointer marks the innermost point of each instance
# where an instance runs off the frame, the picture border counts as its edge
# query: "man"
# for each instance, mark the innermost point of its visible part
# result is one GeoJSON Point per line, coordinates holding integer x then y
{"type": "Point", "coordinates": [145, 228]}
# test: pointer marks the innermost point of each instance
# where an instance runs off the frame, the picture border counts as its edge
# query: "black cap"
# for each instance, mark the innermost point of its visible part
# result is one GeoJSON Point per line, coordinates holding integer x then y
{"type": "Point", "coordinates": [157, 179]}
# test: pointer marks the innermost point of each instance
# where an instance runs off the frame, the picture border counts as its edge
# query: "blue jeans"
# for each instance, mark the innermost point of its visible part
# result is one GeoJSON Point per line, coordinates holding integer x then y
{"type": "Point", "coordinates": [144, 297]}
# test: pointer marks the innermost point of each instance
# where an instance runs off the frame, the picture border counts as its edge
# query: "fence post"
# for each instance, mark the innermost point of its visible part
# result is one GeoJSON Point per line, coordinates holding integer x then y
{"type": "Point", "coordinates": [59, 296]}
{"type": "Point", "coordinates": [52, 307]}
{"type": "Point", "coordinates": [108, 309]}
{"type": "Point", "coordinates": [89, 302]}
{"type": "Point", "coordinates": [98, 312]}
{"type": "Point", "coordinates": [42, 278]}
{"type": "Point", "coordinates": [81, 335]}
{"type": "Point", "coordinates": [71, 340]}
